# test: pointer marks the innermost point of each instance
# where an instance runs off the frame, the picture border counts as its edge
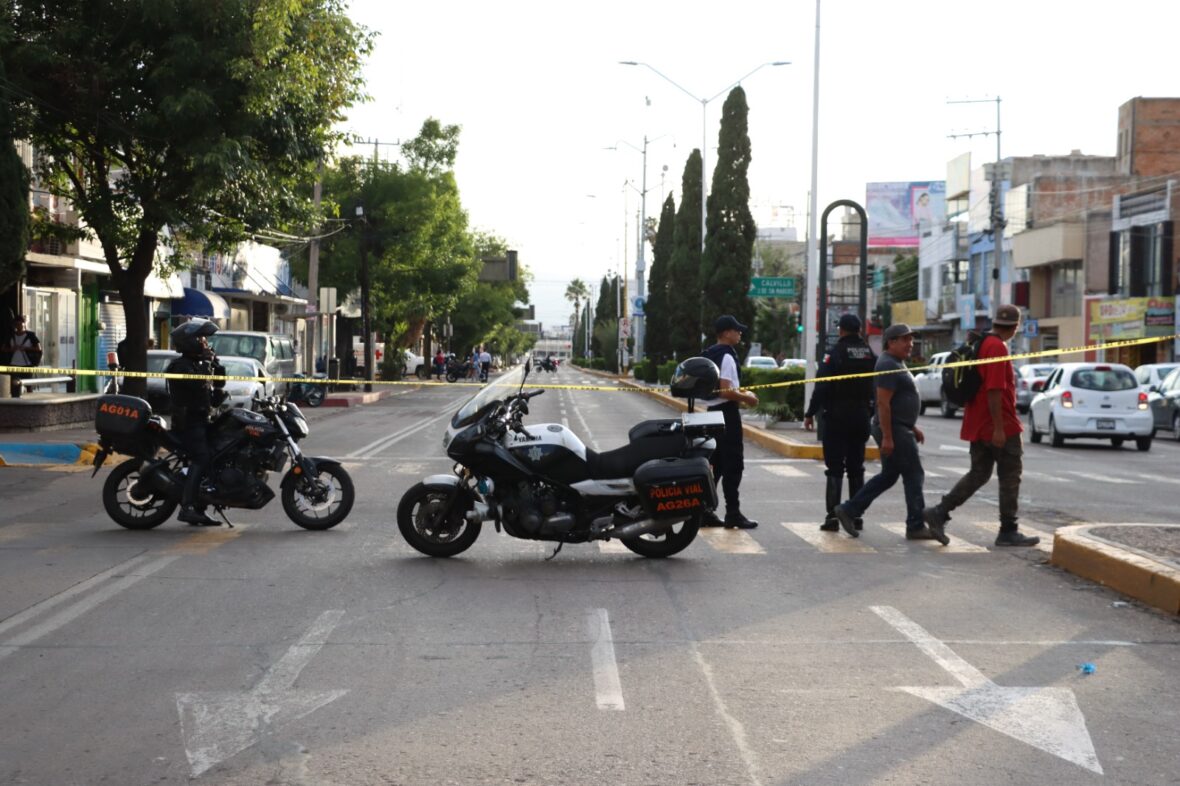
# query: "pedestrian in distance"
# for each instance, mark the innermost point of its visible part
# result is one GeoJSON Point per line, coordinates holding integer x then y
{"type": "Point", "coordinates": [440, 364]}
{"type": "Point", "coordinates": [485, 363]}
{"type": "Point", "coordinates": [993, 430]}
{"type": "Point", "coordinates": [846, 406]}
{"type": "Point", "coordinates": [895, 429]}
{"type": "Point", "coordinates": [22, 348]}
{"type": "Point", "coordinates": [728, 459]}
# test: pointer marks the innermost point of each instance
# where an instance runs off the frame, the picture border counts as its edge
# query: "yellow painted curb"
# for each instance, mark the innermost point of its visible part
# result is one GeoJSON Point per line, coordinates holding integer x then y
{"type": "Point", "coordinates": [89, 451]}
{"type": "Point", "coordinates": [1130, 571]}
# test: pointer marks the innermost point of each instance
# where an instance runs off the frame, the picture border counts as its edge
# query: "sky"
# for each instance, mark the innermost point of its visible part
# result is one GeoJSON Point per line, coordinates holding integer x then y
{"type": "Point", "coordinates": [540, 95]}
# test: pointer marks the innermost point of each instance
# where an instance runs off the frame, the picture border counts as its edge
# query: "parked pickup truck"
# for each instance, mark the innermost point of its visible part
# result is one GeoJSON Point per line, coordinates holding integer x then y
{"type": "Point", "coordinates": [930, 386]}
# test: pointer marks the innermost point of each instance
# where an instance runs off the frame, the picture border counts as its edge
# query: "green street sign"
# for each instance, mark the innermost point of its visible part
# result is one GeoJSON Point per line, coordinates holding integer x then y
{"type": "Point", "coordinates": [773, 286]}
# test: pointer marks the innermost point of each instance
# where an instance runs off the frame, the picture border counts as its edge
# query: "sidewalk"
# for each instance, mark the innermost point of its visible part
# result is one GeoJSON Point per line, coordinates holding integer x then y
{"type": "Point", "coordinates": [1139, 560]}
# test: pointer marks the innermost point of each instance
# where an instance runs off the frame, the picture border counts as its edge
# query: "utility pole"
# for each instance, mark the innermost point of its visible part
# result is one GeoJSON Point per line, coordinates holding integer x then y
{"type": "Point", "coordinates": [313, 277]}
{"type": "Point", "coordinates": [997, 220]}
{"type": "Point", "coordinates": [366, 324]}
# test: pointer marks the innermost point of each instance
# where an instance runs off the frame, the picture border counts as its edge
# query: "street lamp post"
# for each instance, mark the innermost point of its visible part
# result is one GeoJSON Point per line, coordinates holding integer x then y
{"type": "Point", "coordinates": [704, 124]}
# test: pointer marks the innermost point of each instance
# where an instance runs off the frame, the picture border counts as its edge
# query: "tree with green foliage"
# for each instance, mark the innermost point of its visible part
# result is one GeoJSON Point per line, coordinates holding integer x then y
{"type": "Point", "coordinates": [684, 301]}
{"type": "Point", "coordinates": [14, 198]}
{"type": "Point", "coordinates": [729, 227]}
{"type": "Point", "coordinates": [606, 310]}
{"type": "Point", "coordinates": [486, 312]}
{"type": "Point", "coordinates": [577, 292]}
{"type": "Point", "coordinates": [203, 118]}
{"type": "Point", "coordinates": [414, 232]}
{"type": "Point", "coordinates": [657, 343]}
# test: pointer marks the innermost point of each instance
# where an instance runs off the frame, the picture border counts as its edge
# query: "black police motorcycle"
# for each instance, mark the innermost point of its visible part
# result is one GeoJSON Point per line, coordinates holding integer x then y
{"type": "Point", "coordinates": [143, 491]}
{"type": "Point", "coordinates": [540, 482]}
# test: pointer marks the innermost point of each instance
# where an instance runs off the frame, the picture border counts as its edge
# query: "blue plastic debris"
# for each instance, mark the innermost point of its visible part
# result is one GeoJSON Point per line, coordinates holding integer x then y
{"type": "Point", "coordinates": [1087, 668]}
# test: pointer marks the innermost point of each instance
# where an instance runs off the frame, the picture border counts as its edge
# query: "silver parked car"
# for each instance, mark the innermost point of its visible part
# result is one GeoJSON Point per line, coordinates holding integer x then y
{"type": "Point", "coordinates": [1030, 378]}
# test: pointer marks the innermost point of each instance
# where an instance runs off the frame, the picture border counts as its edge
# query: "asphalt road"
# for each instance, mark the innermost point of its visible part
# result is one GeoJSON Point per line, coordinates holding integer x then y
{"type": "Point", "coordinates": [271, 655]}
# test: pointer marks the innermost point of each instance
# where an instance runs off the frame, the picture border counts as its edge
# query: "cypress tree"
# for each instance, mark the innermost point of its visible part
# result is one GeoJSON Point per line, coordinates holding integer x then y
{"type": "Point", "coordinates": [730, 229]}
{"type": "Point", "coordinates": [684, 301]}
{"type": "Point", "coordinates": [657, 344]}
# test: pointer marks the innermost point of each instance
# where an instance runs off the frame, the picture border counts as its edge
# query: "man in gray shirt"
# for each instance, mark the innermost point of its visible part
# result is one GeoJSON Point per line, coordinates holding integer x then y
{"type": "Point", "coordinates": [895, 428]}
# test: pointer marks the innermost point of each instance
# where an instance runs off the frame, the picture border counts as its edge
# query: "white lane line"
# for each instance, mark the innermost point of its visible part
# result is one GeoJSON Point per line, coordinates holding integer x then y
{"type": "Point", "coordinates": [953, 471]}
{"type": "Point", "coordinates": [608, 689]}
{"type": "Point", "coordinates": [967, 675]}
{"type": "Point", "coordinates": [957, 545]}
{"type": "Point", "coordinates": [828, 542]}
{"type": "Point", "coordinates": [375, 447]}
{"type": "Point", "coordinates": [589, 440]}
{"type": "Point", "coordinates": [565, 421]}
{"type": "Point", "coordinates": [44, 606]}
{"type": "Point", "coordinates": [1045, 477]}
{"type": "Point", "coordinates": [954, 448]}
{"type": "Point", "coordinates": [1160, 479]}
{"type": "Point", "coordinates": [784, 470]}
{"type": "Point", "coordinates": [731, 541]}
{"type": "Point", "coordinates": [1104, 478]}
{"type": "Point", "coordinates": [1046, 544]}
{"type": "Point", "coordinates": [73, 612]}
{"type": "Point", "coordinates": [736, 729]}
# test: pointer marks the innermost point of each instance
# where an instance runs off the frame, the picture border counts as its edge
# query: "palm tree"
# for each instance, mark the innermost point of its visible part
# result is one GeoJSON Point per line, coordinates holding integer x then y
{"type": "Point", "coordinates": [576, 292]}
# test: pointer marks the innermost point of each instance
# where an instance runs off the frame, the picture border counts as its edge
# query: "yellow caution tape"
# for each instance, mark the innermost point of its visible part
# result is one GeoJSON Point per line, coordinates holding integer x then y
{"type": "Point", "coordinates": [83, 372]}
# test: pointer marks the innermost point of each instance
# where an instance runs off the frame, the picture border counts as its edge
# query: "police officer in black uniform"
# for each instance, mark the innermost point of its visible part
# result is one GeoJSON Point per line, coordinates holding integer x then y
{"type": "Point", "coordinates": [847, 406]}
{"type": "Point", "coordinates": [192, 401]}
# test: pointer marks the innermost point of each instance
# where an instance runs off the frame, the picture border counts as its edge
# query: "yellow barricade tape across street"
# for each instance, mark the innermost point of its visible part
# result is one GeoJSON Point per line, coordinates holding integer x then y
{"type": "Point", "coordinates": [82, 372]}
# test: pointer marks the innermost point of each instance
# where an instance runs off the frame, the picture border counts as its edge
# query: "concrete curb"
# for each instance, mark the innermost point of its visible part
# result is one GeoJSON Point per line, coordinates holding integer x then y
{"type": "Point", "coordinates": [1130, 571]}
{"type": "Point", "coordinates": [761, 437]}
{"type": "Point", "coordinates": [351, 399]}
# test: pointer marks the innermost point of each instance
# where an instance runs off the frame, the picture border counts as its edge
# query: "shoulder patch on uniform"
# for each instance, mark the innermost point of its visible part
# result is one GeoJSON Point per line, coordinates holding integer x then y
{"type": "Point", "coordinates": [828, 358]}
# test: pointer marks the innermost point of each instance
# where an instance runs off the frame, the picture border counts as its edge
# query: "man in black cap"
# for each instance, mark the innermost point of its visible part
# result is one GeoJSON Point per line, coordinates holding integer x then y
{"type": "Point", "coordinates": [846, 406]}
{"type": "Point", "coordinates": [896, 430]}
{"type": "Point", "coordinates": [728, 459]}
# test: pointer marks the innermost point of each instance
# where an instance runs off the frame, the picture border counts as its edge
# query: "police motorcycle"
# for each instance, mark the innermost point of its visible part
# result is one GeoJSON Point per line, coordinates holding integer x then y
{"type": "Point", "coordinates": [246, 446]}
{"type": "Point", "coordinates": [540, 482]}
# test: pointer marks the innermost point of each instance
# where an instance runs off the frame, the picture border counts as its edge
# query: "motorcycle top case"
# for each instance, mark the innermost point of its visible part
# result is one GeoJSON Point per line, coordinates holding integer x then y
{"type": "Point", "coordinates": [673, 487]}
{"type": "Point", "coordinates": [122, 422]}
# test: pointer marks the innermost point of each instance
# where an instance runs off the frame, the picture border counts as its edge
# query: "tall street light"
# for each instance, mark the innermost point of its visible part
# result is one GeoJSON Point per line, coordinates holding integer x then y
{"type": "Point", "coordinates": [704, 125]}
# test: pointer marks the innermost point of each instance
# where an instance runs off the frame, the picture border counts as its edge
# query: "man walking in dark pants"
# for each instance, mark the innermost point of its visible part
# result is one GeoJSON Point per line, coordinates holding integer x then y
{"type": "Point", "coordinates": [846, 406]}
{"type": "Point", "coordinates": [991, 426]}
{"type": "Point", "coordinates": [729, 457]}
{"type": "Point", "coordinates": [897, 432]}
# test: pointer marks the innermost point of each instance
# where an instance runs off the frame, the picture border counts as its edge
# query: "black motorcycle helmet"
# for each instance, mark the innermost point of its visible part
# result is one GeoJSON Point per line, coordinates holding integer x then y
{"type": "Point", "coordinates": [695, 378]}
{"type": "Point", "coordinates": [185, 337]}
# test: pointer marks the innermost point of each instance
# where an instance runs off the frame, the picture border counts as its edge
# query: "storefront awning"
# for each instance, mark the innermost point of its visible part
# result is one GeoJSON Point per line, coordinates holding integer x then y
{"type": "Point", "coordinates": [199, 303]}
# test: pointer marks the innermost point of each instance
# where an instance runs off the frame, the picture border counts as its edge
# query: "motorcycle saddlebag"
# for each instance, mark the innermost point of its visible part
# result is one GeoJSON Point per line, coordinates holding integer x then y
{"type": "Point", "coordinates": [122, 423]}
{"type": "Point", "coordinates": [670, 488]}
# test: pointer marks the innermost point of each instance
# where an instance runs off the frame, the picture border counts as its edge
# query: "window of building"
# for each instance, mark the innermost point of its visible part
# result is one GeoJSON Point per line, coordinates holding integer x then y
{"type": "Point", "coordinates": [1065, 290]}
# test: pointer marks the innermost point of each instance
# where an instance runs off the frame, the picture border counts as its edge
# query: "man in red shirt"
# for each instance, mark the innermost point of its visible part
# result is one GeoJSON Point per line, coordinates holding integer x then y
{"type": "Point", "coordinates": [991, 426]}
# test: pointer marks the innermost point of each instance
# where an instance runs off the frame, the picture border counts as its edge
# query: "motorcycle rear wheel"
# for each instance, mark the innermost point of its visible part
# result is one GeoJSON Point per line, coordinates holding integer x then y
{"type": "Point", "coordinates": [116, 500]}
{"type": "Point", "coordinates": [323, 510]}
{"type": "Point", "coordinates": [672, 540]}
{"type": "Point", "coordinates": [315, 396]}
{"type": "Point", "coordinates": [418, 516]}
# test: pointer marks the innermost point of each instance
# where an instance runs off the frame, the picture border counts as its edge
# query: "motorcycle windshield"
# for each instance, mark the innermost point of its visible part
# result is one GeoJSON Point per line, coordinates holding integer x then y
{"type": "Point", "coordinates": [500, 388]}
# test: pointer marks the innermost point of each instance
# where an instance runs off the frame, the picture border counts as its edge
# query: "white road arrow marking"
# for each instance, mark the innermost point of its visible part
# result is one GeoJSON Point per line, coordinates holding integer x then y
{"type": "Point", "coordinates": [218, 725]}
{"type": "Point", "coordinates": [1045, 718]}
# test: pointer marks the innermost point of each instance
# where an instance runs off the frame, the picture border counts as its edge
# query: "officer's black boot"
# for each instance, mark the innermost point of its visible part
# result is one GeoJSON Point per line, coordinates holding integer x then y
{"type": "Point", "coordinates": [855, 482]}
{"type": "Point", "coordinates": [189, 512]}
{"type": "Point", "coordinates": [832, 498]}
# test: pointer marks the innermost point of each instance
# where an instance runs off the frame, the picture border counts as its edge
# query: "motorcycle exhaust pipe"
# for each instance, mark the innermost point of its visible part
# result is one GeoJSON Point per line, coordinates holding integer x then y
{"type": "Point", "coordinates": [637, 528]}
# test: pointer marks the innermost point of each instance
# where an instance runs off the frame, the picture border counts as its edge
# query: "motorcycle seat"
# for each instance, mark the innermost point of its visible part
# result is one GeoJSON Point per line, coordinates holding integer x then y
{"type": "Point", "coordinates": [622, 462]}
{"type": "Point", "coordinates": [653, 428]}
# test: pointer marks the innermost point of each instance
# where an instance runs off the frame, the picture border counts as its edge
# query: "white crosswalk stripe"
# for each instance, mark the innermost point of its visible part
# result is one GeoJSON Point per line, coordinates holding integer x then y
{"type": "Point", "coordinates": [957, 544]}
{"type": "Point", "coordinates": [827, 542]}
{"type": "Point", "coordinates": [1104, 478]}
{"type": "Point", "coordinates": [784, 471]}
{"type": "Point", "coordinates": [731, 541]}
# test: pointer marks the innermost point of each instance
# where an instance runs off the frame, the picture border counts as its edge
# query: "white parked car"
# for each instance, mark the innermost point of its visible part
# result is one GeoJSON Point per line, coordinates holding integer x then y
{"type": "Point", "coordinates": [245, 394]}
{"type": "Point", "coordinates": [793, 363]}
{"type": "Point", "coordinates": [929, 384]}
{"type": "Point", "coordinates": [761, 361]}
{"type": "Point", "coordinates": [1151, 375]}
{"type": "Point", "coordinates": [1092, 400]}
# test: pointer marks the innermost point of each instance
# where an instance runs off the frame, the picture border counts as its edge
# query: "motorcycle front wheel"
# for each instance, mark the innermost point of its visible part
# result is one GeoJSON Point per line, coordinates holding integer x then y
{"type": "Point", "coordinates": [665, 542]}
{"type": "Point", "coordinates": [133, 509]}
{"type": "Point", "coordinates": [421, 522]}
{"type": "Point", "coordinates": [319, 502]}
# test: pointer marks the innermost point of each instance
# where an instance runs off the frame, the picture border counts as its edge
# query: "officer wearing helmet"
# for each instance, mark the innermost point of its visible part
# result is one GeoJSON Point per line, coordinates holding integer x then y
{"type": "Point", "coordinates": [846, 405]}
{"type": "Point", "coordinates": [192, 400]}
{"type": "Point", "coordinates": [729, 458]}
